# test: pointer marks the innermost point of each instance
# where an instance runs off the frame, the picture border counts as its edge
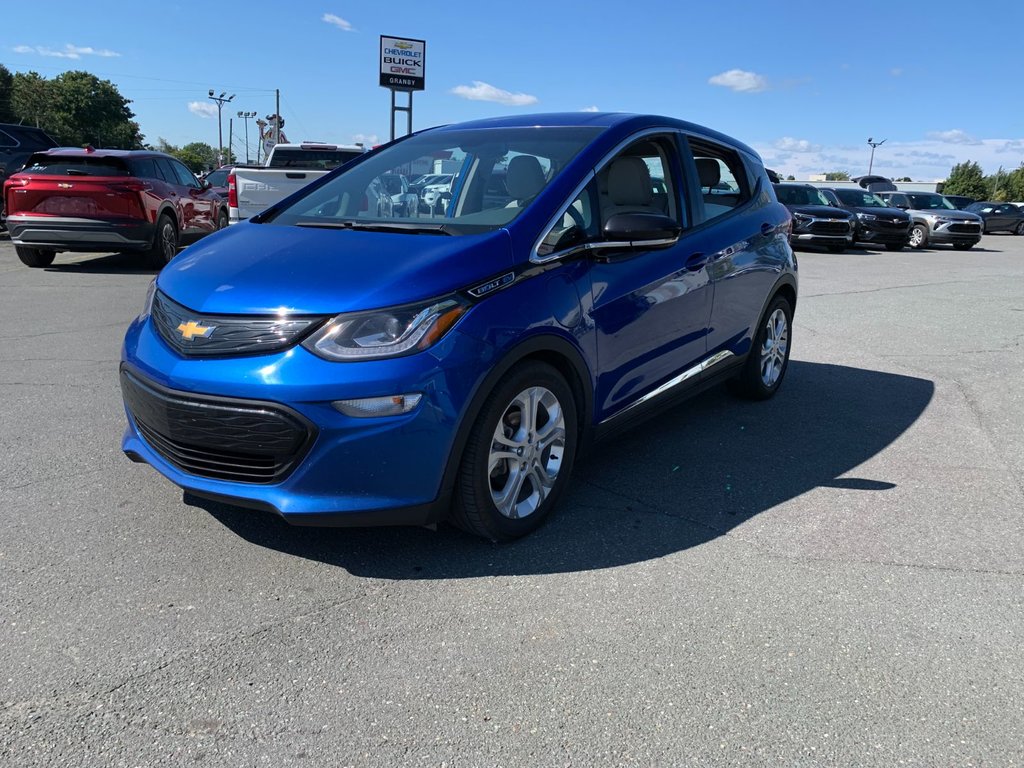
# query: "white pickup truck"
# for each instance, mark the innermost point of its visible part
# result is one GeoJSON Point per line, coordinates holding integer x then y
{"type": "Point", "coordinates": [289, 167]}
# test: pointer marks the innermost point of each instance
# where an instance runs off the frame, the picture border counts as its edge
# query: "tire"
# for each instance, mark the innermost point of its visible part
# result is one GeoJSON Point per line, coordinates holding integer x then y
{"type": "Point", "coordinates": [165, 242]}
{"type": "Point", "coordinates": [508, 485]}
{"type": "Point", "coordinates": [1020, 229]}
{"type": "Point", "coordinates": [35, 257]}
{"type": "Point", "coordinates": [895, 246]}
{"type": "Point", "coordinates": [918, 236]}
{"type": "Point", "coordinates": [768, 360]}
{"type": "Point", "coordinates": [222, 219]}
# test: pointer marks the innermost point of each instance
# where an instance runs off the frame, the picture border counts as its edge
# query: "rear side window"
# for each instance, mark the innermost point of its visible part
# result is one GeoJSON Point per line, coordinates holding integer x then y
{"type": "Point", "coordinates": [165, 170]}
{"type": "Point", "coordinates": [312, 159]}
{"type": "Point", "coordinates": [144, 168]}
{"type": "Point", "coordinates": [60, 165]}
{"type": "Point", "coordinates": [724, 184]}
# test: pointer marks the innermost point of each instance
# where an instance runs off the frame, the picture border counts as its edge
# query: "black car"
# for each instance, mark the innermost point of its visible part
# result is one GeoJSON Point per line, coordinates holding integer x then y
{"type": "Point", "coordinates": [960, 201]}
{"type": "Point", "coordinates": [876, 222]}
{"type": "Point", "coordinates": [815, 222]}
{"type": "Point", "coordinates": [999, 217]}
{"type": "Point", "coordinates": [17, 143]}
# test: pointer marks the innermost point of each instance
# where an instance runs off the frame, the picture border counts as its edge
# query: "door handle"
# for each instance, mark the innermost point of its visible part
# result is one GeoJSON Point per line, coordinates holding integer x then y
{"type": "Point", "coordinates": [767, 228]}
{"type": "Point", "coordinates": [697, 261]}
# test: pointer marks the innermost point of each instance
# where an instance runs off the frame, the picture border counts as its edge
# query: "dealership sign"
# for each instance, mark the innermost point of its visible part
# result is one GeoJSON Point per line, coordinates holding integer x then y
{"type": "Point", "coordinates": [402, 63]}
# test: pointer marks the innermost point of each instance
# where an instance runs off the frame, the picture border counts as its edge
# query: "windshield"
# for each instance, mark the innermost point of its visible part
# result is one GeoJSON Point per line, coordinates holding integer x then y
{"type": "Point", "coordinates": [980, 208]}
{"type": "Point", "coordinates": [466, 199]}
{"type": "Point", "coordinates": [924, 201]}
{"type": "Point", "coordinates": [860, 198]}
{"type": "Point", "coordinates": [799, 195]}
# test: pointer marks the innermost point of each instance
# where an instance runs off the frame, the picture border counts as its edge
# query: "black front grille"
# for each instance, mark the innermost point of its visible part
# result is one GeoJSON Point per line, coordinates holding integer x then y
{"type": "Point", "coordinates": [965, 229]}
{"type": "Point", "coordinates": [830, 228]}
{"type": "Point", "coordinates": [195, 334]}
{"type": "Point", "coordinates": [891, 224]}
{"type": "Point", "coordinates": [221, 438]}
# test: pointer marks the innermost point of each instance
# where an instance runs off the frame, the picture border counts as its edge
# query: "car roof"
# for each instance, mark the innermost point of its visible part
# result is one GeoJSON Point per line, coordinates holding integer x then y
{"type": "Point", "coordinates": [596, 120]}
{"type": "Point", "coordinates": [121, 153]}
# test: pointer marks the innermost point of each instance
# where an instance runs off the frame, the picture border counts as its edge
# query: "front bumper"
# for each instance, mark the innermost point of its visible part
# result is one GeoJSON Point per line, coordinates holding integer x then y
{"type": "Point", "coordinates": [346, 470]}
{"type": "Point", "coordinates": [872, 232]}
{"type": "Point", "coordinates": [955, 233]}
{"type": "Point", "coordinates": [65, 233]}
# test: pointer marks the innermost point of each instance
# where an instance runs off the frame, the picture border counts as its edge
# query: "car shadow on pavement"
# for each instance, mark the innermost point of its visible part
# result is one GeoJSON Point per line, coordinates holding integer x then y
{"type": "Point", "coordinates": [110, 264]}
{"type": "Point", "coordinates": [686, 478]}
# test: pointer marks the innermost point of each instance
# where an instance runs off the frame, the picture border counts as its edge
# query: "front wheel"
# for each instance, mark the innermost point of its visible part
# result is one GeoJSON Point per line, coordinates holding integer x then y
{"type": "Point", "coordinates": [918, 236]}
{"type": "Point", "coordinates": [519, 455]}
{"type": "Point", "coordinates": [35, 257]}
{"type": "Point", "coordinates": [769, 357]}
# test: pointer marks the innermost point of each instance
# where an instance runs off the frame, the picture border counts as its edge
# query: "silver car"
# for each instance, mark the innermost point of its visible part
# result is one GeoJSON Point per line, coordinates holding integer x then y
{"type": "Point", "coordinates": [936, 220]}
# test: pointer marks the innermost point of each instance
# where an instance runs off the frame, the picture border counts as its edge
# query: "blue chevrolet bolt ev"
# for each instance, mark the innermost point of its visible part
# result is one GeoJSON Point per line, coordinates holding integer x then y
{"type": "Point", "coordinates": [340, 360]}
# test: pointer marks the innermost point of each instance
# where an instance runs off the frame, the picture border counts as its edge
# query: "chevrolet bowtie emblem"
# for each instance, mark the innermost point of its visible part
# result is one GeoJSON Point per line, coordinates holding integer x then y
{"type": "Point", "coordinates": [192, 329]}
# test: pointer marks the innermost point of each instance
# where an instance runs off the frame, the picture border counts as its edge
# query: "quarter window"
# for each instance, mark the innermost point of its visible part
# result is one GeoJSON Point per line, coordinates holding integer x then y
{"type": "Point", "coordinates": [723, 183]}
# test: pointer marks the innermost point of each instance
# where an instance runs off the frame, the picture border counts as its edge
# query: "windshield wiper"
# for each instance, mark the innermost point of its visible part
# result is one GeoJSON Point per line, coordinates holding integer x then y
{"type": "Point", "coordinates": [379, 226]}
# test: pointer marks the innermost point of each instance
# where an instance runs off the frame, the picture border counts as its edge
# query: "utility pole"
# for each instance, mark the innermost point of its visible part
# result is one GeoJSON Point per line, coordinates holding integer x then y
{"type": "Point", "coordinates": [277, 111]}
{"type": "Point", "coordinates": [221, 101]}
{"type": "Point", "coordinates": [874, 144]}
{"type": "Point", "coordinates": [231, 135]}
{"type": "Point", "coordinates": [247, 116]}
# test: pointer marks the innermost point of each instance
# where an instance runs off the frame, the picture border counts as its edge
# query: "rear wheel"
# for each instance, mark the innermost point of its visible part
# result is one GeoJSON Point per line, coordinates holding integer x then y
{"type": "Point", "coordinates": [768, 360]}
{"type": "Point", "coordinates": [894, 246]}
{"type": "Point", "coordinates": [35, 257]}
{"type": "Point", "coordinates": [222, 220]}
{"type": "Point", "coordinates": [1020, 229]}
{"type": "Point", "coordinates": [519, 455]}
{"type": "Point", "coordinates": [918, 236]}
{"type": "Point", "coordinates": [165, 242]}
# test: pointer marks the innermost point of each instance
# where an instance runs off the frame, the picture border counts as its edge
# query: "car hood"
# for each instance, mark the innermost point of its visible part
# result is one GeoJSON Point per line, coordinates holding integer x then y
{"type": "Point", "coordinates": [821, 211]}
{"type": "Point", "coordinates": [952, 215]}
{"type": "Point", "coordinates": [882, 213]}
{"type": "Point", "coordinates": [269, 269]}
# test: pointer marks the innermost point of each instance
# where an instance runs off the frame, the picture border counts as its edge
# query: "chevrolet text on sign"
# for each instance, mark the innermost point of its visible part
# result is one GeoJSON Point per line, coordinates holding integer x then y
{"type": "Point", "coordinates": [402, 63]}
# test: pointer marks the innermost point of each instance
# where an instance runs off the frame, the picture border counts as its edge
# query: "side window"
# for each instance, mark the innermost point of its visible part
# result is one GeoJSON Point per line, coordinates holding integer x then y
{"type": "Point", "coordinates": [639, 180]}
{"type": "Point", "coordinates": [185, 176]}
{"type": "Point", "coordinates": [144, 168]}
{"type": "Point", "coordinates": [723, 183]}
{"type": "Point", "coordinates": [165, 171]}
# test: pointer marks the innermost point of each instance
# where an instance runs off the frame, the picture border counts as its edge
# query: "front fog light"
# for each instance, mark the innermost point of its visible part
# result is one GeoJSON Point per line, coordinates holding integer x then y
{"type": "Point", "coordinates": [371, 407]}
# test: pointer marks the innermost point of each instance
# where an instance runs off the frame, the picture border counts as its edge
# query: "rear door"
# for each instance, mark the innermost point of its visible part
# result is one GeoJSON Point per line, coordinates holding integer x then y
{"type": "Point", "coordinates": [200, 207]}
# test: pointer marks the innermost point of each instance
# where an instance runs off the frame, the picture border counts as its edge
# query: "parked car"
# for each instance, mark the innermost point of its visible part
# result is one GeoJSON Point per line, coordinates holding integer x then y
{"type": "Point", "coordinates": [102, 200]}
{"type": "Point", "coordinates": [815, 222]}
{"type": "Point", "coordinates": [338, 367]}
{"type": "Point", "coordinates": [999, 217]}
{"type": "Point", "coordinates": [218, 180]}
{"type": "Point", "coordinates": [17, 144]}
{"type": "Point", "coordinates": [876, 223]}
{"type": "Point", "coordinates": [397, 186]}
{"type": "Point", "coordinates": [936, 220]}
{"type": "Point", "coordinates": [431, 196]}
{"type": "Point", "coordinates": [960, 202]}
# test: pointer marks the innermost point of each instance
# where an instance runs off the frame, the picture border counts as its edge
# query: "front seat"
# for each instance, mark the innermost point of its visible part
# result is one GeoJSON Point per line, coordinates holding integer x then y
{"type": "Point", "coordinates": [524, 180]}
{"type": "Point", "coordinates": [630, 189]}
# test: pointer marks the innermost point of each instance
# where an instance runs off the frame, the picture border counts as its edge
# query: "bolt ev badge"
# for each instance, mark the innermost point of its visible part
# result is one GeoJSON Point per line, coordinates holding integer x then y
{"type": "Point", "coordinates": [192, 329]}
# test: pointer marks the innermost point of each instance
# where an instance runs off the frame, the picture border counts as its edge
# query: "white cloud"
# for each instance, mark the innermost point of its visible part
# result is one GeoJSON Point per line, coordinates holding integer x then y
{"type": "Point", "coordinates": [789, 144]}
{"type": "Point", "coordinates": [367, 140]}
{"type": "Point", "coordinates": [896, 71]}
{"type": "Point", "coordinates": [590, 109]}
{"type": "Point", "coordinates": [955, 136]}
{"type": "Point", "coordinates": [202, 108]}
{"type": "Point", "coordinates": [480, 91]}
{"type": "Point", "coordinates": [337, 21]}
{"type": "Point", "coordinates": [69, 51]}
{"type": "Point", "coordinates": [740, 81]}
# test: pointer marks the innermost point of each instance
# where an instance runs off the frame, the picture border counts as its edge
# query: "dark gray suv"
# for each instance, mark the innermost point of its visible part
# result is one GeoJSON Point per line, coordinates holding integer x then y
{"type": "Point", "coordinates": [17, 143]}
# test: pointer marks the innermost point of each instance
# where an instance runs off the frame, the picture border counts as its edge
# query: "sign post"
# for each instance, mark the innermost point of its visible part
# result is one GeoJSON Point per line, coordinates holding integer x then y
{"type": "Point", "coordinates": [402, 68]}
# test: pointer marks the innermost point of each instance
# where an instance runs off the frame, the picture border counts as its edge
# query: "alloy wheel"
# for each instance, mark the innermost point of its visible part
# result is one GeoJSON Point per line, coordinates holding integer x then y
{"type": "Point", "coordinates": [773, 351]}
{"type": "Point", "coordinates": [169, 247]}
{"type": "Point", "coordinates": [526, 452]}
{"type": "Point", "coordinates": [916, 237]}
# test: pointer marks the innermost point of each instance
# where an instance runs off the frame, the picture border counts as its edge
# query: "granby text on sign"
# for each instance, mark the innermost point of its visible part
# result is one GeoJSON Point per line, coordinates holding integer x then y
{"type": "Point", "coordinates": [402, 63]}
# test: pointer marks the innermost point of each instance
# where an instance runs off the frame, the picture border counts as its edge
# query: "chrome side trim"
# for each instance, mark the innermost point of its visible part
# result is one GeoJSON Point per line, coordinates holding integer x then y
{"type": "Point", "coordinates": [686, 375]}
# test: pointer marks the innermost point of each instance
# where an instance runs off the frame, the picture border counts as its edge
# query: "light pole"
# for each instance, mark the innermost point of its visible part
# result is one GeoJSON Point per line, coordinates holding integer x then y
{"type": "Point", "coordinates": [874, 144]}
{"type": "Point", "coordinates": [246, 116]}
{"type": "Point", "coordinates": [221, 101]}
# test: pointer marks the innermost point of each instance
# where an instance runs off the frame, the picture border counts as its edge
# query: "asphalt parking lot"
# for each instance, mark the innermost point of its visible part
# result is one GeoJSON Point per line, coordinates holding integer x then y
{"type": "Point", "coordinates": [830, 578]}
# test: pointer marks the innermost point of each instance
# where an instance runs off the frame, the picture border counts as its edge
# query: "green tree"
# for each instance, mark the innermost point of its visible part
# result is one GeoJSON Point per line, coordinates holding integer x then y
{"type": "Point", "coordinates": [6, 88]}
{"type": "Point", "coordinates": [197, 155]}
{"type": "Point", "coordinates": [967, 179]}
{"type": "Point", "coordinates": [76, 108]}
{"type": "Point", "coordinates": [837, 176]}
{"type": "Point", "coordinates": [1014, 184]}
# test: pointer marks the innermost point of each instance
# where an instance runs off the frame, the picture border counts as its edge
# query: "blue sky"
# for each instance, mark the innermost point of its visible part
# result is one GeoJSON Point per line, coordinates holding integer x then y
{"type": "Point", "coordinates": [806, 84]}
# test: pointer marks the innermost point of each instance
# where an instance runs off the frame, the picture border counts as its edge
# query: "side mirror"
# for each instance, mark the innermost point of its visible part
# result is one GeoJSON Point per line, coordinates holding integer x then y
{"type": "Point", "coordinates": [641, 228]}
{"type": "Point", "coordinates": [204, 183]}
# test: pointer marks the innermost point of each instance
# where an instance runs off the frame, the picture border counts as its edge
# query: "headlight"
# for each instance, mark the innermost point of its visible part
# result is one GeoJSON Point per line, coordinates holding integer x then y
{"type": "Point", "coordinates": [386, 332]}
{"type": "Point", "coordinates": [801, 219]}
{"type": "Point", "coordinates": [147, 305]}
{"type": "Point", "coordinates": [866, 216]}
{"type": "Point", "coordinates": [942, 220]}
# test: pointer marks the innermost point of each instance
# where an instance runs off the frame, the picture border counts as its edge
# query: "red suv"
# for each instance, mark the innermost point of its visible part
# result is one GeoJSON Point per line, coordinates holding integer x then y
{"type": "Point", "coordinates": [101, 200]}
